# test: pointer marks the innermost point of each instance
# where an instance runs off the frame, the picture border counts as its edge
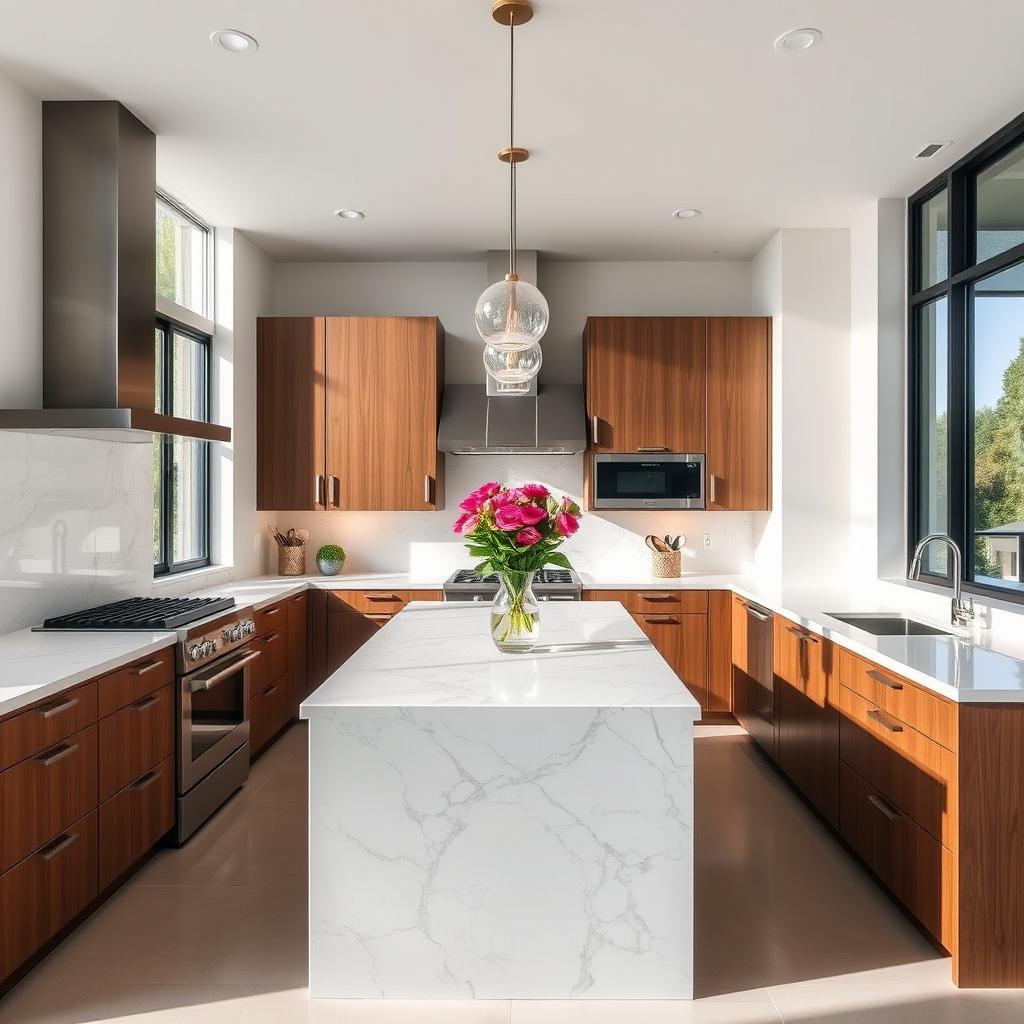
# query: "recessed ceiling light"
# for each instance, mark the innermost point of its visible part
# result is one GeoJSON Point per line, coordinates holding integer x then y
{"type": "Point", "coordinates": [685, 214]}
{"type": "Point", "coordinates": [797, 40]}
{"type": "Point", "coordinates": [233, 40]}
{"type": "Point", "coordinates": [346, 214]}
{"type": "Point", "coordinates": [930, 150]}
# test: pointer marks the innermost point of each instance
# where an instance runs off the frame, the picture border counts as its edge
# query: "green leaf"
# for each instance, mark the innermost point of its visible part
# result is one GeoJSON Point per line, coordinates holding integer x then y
{"type": "Point", "coordinates": [557, 558]}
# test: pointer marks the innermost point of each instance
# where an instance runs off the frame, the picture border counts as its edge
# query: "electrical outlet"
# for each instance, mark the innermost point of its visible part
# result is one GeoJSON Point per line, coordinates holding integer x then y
{"type": "Point", "coordinates": [707, 540]}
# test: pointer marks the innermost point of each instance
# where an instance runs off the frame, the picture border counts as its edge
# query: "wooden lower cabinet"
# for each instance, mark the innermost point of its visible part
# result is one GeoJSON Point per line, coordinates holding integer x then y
{"type": "Point", "coordinates": [46, 891]}
{"type": "Point", "coordinates": [268, 714]}
{"type": "Point", "coordinates": [298, 684]}
{"type": "Point", "coordinates": [918, 870]}
{"type": "Point", "coordinates": [134, 739]}
{"type": "Point", "coordinates": [133, 821]}
{"type": "Point", "coordinates": [682, 640]}
{"type": "Point", "coordinates": [753, 680]}
{"type": "Point", "coordinates": [46, 724]}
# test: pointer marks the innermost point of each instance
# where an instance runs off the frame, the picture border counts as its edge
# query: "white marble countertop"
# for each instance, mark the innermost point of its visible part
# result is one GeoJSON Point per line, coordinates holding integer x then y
{"type": "Point", "coordinates": [591, 655]}
{"type": "Point", "coordinates": [36, 665]}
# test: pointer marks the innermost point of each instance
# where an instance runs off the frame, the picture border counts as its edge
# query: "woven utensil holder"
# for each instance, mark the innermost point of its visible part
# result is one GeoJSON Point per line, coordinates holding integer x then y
{"type": "Point", "coordinates": [291, 561]}
{"type": "Point", "coordinates": [667, 564]}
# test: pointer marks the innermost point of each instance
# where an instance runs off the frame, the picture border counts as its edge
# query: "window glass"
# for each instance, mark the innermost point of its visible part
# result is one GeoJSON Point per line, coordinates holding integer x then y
{"type": "Point", "coordinates": [158, 479]}
{"type": "Point", "coordinates": [933, 429]}
{"type": "Point", "coordinates": [997, 354]}
{"type": "Point", "coordinates": [182, 251]}
{"type": "Point", "coordinates": [188, 512]}
{"type": "Point", "coordinates": [933, 240]}
{"type": "Point", "coordinates": [189, 377]}
{"type": "Point", "coordinates": [1000, 205]}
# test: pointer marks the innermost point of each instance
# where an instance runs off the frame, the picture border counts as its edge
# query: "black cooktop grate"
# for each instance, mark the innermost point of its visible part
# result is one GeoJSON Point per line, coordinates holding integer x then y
{"type": "Point", "coordinates": [540, 576]}
{"type": "Point", "coordinates": [143, 613]}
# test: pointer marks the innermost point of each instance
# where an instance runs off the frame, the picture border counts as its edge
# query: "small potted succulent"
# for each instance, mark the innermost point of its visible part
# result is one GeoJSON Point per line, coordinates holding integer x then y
{"type": "Point", "coordinates": [330, 559]}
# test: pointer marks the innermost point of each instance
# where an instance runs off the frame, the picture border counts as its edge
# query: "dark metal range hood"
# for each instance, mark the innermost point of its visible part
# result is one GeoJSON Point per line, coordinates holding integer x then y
{"type": "Point", "coordinates": [99, 280]}
{"type": "Point", "coordinates": [548, 420]}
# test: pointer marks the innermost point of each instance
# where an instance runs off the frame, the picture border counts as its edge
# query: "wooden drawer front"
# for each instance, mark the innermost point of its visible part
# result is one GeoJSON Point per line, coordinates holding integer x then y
{"type": "Point", "coordinates": [923, 711]}
{"type": "Point", "coordinates": [752, 640]}
{"type": "Point", "coordinates": [268, 713]}
{"type": "Point", "coordinates": [132, 822]}
{"type": "Point", "coordinates": [622, 596]}
{"type": "Point", "coordinates": [45, 794]}
{"type": "Point", "coordinates": [918, 870]}
{"type": "Point", "coordinates": [46, 891]}
{"type": "Point", "coordinates": [268, 619]}
{"type": "Point", "coordinates": [655, 601]}
{"type": "Point", "coordinates": [134, 740]}
{"type": "Point", "coordinates": [128, 684]}
{"type": "Point", "coordinates": [43, 725]}
{"type": "Point", "coordinates": [682, 640]}
{"type": "Point", "coordinates": [802, 659]}
{"type": "Point", "coordinates": [272, 663]}
{"type": "Point", "coordinates": [912, 772]}
{"type": "Point", "coordinates": [384, 602]}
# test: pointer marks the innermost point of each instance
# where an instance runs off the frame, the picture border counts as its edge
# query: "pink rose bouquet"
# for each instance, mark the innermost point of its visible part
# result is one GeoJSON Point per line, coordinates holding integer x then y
{"type": "Point", "coordinates": [516, 529]}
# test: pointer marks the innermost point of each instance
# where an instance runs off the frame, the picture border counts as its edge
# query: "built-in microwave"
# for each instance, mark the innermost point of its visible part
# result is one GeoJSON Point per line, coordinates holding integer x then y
{"type": "Point", "coordinates": [641, 480]}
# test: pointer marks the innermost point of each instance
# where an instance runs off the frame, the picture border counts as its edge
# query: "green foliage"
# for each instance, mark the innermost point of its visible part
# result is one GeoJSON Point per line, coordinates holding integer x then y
{"type": "Point", "coordinates": [332, 552]}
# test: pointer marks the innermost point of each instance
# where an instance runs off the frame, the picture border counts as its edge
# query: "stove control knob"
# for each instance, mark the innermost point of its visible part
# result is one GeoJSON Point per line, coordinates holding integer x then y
{"type": "Point", "coordinates": [477, 597]}
{"type": "Point", "coordinates": [194, 652]}
{"type": "Point", "coordinates": [233, 633]}
{"type": "Point", "coordinates": [211, 646]}
{"type": "Point", "coordinates": [248, 627]}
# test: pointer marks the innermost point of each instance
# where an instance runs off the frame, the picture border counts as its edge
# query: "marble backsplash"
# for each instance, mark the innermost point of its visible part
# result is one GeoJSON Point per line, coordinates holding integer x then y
{"type": "Point", "coordinates": [76, 524]}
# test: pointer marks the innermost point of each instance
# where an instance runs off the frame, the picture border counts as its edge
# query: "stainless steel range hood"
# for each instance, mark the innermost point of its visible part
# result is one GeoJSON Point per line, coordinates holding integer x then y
{"type": "Point", "coordinates": [548, 421]}
{"type": "Point", "coordinates": [99, 280]}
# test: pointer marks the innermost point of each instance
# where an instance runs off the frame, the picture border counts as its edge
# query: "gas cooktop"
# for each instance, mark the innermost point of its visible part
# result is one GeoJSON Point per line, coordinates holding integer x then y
{"type": "Point", "coordinates": [142, 613]}
{"type": "Point", "coordinates": [548, 585]}
{"type": "Point", "coordinates": [541, 576]}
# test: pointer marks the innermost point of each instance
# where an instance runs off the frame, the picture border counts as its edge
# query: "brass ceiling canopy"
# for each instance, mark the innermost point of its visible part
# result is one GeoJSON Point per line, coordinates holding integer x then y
{"type": "Point", "coordinates": [512, 12]}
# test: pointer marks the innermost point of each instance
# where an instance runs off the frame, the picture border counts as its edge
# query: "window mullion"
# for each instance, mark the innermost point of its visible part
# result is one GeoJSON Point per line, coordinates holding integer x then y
{"type": "Point", "coordinates": [959, 517]}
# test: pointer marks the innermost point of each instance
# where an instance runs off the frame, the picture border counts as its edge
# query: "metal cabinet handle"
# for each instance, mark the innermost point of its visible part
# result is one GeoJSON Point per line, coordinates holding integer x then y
{"type": "Point", "coordinates": [712, 488]}
{"type": "Point", "coordinates": [270, 690]}
{"type": "Point", "coordinates": [60, 843]}
{"type": "Point", "coordinates": [657, 597]}
{"type": "Point", "coordinates": [595, 425]}
{"type": "Point", "coordinates": [209, 682]}
{"type": "Point", "coordinates": [653, 448]}
{"type": "Point", "coordinates": [426, 488]}
{"type": "Point", "coordinates": [802, 635]}
{"type": "Point", "coordinates": [149, 666]}
{"type": "Point", "coordinates": [146, 702]}
{"type": "Point", "coordinates": [380, 618]}
{"type": "Point", "coordinates": [758, 614]}
{"type": "Point", "coordinates": [52, 710]}
{"type": "Point", "coordinates": [318, 490]}
{"type": "Point", "coordinates": [885, 722]}
{"type": "Point", "coordinates": [271, 611]}
{"type": "Point", "coordinates": [885, 807]}
{"type": "Point", "coordinates": [335, 497]}
{"type": "Point", "coordinates": [884, 680]}
{"type": "Point", "coordinates": [271, 638]}
{"type": "Point", "coordinates": [383, 597]}
{"type": "Point", "coordinates": [654, 619]}
{"type": "Point", "coordinates": [57, 754]}
{"type": "Point", "coordinates": [146, 781]}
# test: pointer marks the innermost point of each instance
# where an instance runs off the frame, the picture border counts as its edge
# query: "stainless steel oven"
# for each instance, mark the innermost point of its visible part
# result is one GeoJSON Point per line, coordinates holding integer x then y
{"type": "Point", "coordinates": [213, 736]}
{"type": "Point", "coordinates": [648, 480]}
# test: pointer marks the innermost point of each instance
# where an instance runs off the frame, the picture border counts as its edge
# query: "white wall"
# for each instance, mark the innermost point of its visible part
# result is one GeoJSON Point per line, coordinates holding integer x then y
{"type": "Point", "coordinates": [574, 290]}
{"type": "Point", "coordinates": [802, 279]}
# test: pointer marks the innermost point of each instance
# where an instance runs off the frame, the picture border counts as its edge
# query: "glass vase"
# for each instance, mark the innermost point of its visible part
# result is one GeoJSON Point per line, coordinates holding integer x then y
{"type": "Point", "coordinates": [515, 614]}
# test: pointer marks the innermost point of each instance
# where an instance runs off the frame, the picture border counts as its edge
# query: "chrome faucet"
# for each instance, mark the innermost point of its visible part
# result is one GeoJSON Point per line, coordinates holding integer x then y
{"type": "Point", "coordinates": [963, 609]}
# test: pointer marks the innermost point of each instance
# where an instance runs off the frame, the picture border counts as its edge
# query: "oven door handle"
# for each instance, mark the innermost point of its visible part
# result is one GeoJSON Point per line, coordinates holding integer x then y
{"type": "Point", "coordinates": [209, 682]}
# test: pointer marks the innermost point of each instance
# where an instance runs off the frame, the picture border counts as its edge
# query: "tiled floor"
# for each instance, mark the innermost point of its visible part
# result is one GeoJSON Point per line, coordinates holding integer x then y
{"type": "Point", "coordinates": [788, 927]}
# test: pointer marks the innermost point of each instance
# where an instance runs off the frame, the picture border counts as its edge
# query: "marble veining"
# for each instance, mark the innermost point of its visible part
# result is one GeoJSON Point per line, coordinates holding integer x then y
{"type": "Point", "coordinates": [501, 852]}
{"type": "Point", "coordinates": [591, 654]}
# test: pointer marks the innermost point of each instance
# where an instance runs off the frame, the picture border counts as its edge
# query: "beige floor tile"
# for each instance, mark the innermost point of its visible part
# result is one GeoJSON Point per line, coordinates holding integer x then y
{"type": "Point", "coordinates": [111, 1003]}
{"type": "Point", "coordinates": [741, 1008]}
{"type": "Point", "coordinates": [295, 1007]}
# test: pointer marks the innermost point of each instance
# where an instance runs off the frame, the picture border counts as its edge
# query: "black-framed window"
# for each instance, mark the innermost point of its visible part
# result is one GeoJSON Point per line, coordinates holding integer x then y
{"type": "Point", "coordinates": [181, 466]}
{"type": "Point", "coordinates": [966, 366]}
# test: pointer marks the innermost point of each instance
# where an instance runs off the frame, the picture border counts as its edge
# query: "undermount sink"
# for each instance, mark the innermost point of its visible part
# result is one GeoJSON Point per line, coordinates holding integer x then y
{"type": "Point", "coordinates": [888, 624]}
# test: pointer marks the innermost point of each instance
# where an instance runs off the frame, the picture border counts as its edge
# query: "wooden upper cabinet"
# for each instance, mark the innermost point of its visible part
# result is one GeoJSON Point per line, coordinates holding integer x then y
{"type": "Point", "coordinates": [290, 413]}
{"type": "Point", "coordinates": [739, 413]}
{"type": "Point", "coordinates": [384, 381]}
{"type": "Point", "coordinates": [645, 383]}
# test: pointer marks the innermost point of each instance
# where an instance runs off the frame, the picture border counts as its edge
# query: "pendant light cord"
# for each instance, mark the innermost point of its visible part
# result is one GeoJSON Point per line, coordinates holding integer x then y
{"type": "Point", "coordinates": [511, 142]}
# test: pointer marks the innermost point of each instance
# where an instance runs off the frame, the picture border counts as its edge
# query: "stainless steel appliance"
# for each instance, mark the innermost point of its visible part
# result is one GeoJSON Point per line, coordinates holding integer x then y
{"type": "Point", "coordinates": [646, 480]}
{"type": "Point", "coordinates": [212, 668]}
{"type": "Point", "coordinates": [548, 585]}
{"type": "Point", "coordinates": [753, 676]}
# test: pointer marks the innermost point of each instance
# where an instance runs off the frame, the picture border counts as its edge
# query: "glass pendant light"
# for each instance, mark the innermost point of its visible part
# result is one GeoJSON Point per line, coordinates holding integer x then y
{"type": "Point", "coordinates": [512, 315]}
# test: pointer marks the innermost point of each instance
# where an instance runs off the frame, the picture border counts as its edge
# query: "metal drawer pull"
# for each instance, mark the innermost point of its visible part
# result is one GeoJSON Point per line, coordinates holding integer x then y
{"type": "Point", "coordinates": [383, 597]}
{"type": "Point", "coordinates": [57, 709]}
{"type": "Point", "coordinates": [884, 722]}
{"type": "Point", "coordinates": [660, 618]}
{"type": "Point", "coordinates": [758, 614]}
{"type": "Point", "coordinates": [147, 667]}
{"type": "Point", "coordinates": [270, 690]}
{"type": "Point", "coordinates": [58, 754]}
{"type": "Point", "coordinates": [146, 781]}
{"type": "Point", "coordinates": [318, 490]}
{"type": "Point", "coordinates": [380, 618]}
{"type": "Point", "coordinates": [713, 488]}
{"type": "Point", "coordinates": [60, 843]}
{"type": "Point", "coordinates": [887, 809]}
{"type": "Point", "coordinates": [595, 425]}
{"type": "Point", "coordinates": [657, 597]}
{"type": "Point", "coordinates": [802, 635]}
{"type": "Point", "coordinates": [146, 702]}
{"type": "Point", "coordinates": [426, 489]}
{"type": "Point", "coordinates": [270, 638]}
{"type": "Point", "coordinates": [884, 680]}
{"type": "Point", "coordinates": [270, 611]}
{"type": "Point", "coordinates": [335, 492]}
{"type": "Point", "coordinates": [653, 448]}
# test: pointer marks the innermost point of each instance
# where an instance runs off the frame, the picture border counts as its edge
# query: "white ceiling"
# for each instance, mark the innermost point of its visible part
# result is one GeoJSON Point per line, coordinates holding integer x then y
{"type": "Point", "coordinates": [630, 108]}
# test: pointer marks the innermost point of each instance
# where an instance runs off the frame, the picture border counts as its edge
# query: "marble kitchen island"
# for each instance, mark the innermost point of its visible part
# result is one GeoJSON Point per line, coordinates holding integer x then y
{"type": "Point", "coordinates": [502, 826]}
